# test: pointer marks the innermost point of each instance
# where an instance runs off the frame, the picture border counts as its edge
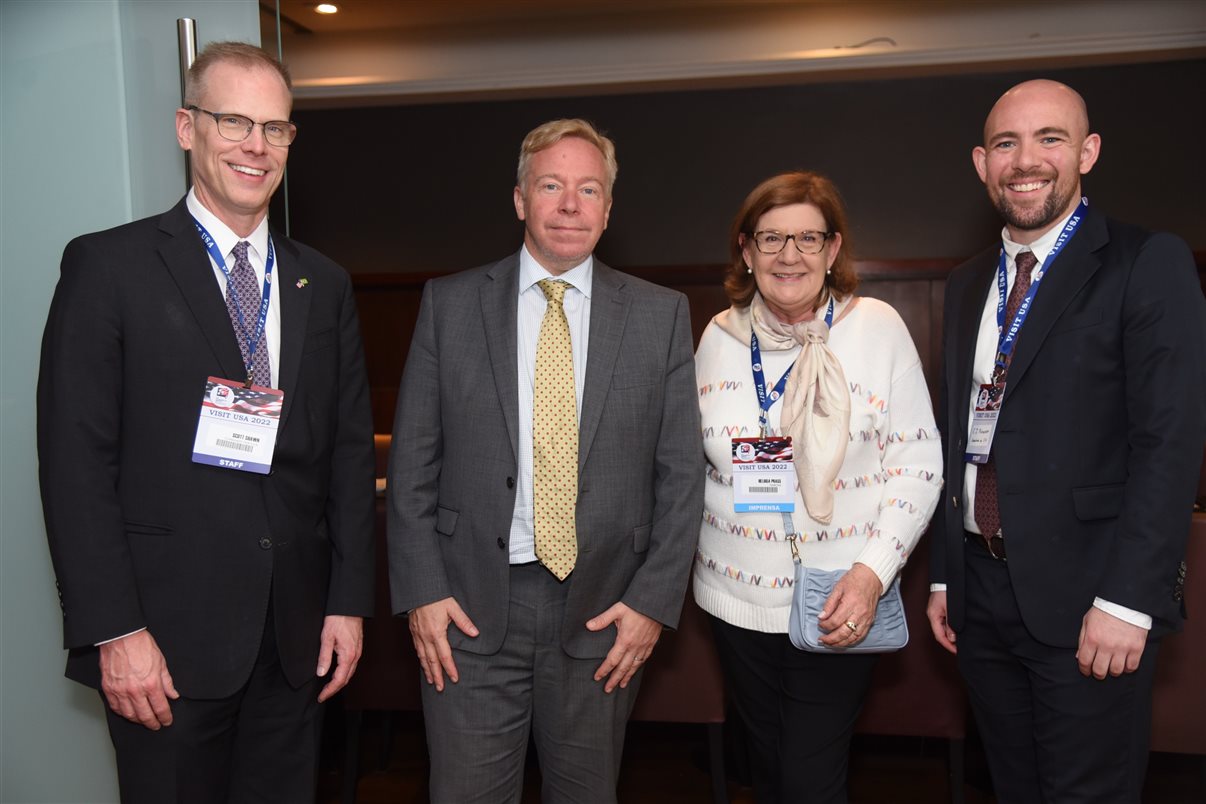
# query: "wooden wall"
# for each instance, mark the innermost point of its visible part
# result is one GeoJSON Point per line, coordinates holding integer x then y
{"type": "Point", "coordinates": [427, 187]}
{"type": "Point", "coordinates": [389, 305]}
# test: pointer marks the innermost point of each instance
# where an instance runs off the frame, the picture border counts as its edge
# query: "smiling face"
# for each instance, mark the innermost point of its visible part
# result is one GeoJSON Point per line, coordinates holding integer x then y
{"type": "Point", "coordinates": [235, 180]}
{"type": "Point", "coordinates": [1036, 147]}
{"type": "Point", "coordinates": [564, 203]}
{"type": "Point", "coordinates": [791, 282]}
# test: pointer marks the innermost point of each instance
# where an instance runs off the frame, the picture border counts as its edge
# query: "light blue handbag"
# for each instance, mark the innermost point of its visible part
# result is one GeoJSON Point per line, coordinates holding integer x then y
{"type": "Point", "coordinates": [889, 632]}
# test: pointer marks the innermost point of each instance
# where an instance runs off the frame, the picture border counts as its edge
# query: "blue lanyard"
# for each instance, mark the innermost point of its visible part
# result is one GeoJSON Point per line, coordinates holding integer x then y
{"type": "Point", "coordinates": [216, 255]}
{"type": "Point", "coordinates": [767, 401]}
{"type": "Point", "coordinates": [1008, 338]}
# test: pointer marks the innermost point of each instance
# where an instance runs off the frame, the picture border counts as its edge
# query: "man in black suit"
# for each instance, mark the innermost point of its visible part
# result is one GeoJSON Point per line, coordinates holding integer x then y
{"type": "Point", "coordinates": [1069, 492]}
{"type": "Point", "coordinates": [206, 458]}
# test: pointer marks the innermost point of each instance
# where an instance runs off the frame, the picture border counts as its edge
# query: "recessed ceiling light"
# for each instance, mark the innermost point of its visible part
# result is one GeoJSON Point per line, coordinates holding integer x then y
{"type": "Point", "coordinates": [326, 8]}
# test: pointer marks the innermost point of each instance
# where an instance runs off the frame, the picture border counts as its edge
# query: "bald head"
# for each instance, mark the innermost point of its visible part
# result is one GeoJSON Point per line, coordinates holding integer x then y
{"type": "Point", "coordinates": [1041, 93]}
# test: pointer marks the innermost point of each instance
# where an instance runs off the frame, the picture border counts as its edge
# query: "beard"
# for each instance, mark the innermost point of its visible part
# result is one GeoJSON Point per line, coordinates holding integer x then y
{"type": "Point", "coordinates": [1029, 219]}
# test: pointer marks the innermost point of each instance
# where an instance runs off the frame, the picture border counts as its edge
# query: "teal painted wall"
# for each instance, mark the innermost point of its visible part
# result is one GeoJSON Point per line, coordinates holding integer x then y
{"type": "Point", "coordinates": [88, 90]}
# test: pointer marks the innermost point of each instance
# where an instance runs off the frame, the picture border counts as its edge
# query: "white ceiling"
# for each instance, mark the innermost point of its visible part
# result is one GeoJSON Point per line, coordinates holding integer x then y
{"type": "Point", "coordinates": [376, 51]}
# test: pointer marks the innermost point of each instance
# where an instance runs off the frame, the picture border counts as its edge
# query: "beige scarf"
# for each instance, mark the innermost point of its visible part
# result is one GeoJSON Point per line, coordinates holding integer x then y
{"type": "Point", "coordinates": [816, 402]}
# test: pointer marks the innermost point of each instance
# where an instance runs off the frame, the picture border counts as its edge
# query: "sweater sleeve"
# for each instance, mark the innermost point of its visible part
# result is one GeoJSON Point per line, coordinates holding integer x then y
{"type": "Point", "coordinates": [911, 457]}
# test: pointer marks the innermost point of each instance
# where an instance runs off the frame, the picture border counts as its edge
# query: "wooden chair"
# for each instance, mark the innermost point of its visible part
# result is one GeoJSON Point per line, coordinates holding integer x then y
{"type": "Point", "coordinates": [387, 678]}
{"type": "Point", "coordinates": [917, 692]}
{"type": "Point", "coordinates": [1179, 698]}
{"type": "Point", "coordinates": [683, 684]}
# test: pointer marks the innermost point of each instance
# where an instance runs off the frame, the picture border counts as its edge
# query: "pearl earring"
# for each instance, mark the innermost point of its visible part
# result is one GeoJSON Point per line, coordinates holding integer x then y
{"type": "Point", "coordinates": [749, 270]}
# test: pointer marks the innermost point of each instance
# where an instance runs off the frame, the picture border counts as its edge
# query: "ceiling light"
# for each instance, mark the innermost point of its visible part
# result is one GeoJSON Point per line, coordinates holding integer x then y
{"type": "Point", "coordinates": [326, 8]}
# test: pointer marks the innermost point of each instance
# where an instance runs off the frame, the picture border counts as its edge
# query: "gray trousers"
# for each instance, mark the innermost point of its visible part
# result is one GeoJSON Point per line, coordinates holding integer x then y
{"type": "Point", "coordinates": [478, 728]}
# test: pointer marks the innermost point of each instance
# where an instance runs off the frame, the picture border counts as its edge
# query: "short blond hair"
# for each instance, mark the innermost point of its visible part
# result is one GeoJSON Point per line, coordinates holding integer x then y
{"type": "Point", "coordinates": [237, 53]}
{"type": "Point", "coordinates": [549, 134]}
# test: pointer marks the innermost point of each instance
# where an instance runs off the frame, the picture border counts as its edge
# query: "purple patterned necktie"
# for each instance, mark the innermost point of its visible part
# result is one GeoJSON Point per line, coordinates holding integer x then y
{"type": "Point", "coordinates": [247, 288]}
{"type": "Point", "coordinates": [988, 513]}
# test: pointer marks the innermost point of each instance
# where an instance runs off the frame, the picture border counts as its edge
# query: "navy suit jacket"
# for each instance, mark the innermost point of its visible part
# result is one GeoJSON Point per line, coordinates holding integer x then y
{"type": "Point", "coordinates": [141, 536]}
{"type": "Point", "coordinates": [1100, 436]}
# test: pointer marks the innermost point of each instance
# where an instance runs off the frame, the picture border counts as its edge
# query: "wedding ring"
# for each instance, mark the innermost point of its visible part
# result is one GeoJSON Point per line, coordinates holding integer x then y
{"type": "Point", "coordinates": [852, 625]}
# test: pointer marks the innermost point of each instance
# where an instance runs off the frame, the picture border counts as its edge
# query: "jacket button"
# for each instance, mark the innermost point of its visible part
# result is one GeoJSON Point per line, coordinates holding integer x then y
{"type": "Point", "coordinates": [265, 543]}
{"type": "Point", "coordinates": [502, 543]}
{"type": "Point", "coordinates": [510, 482]}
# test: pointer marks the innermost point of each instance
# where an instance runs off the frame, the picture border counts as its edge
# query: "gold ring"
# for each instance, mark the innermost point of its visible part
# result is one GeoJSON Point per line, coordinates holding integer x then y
{"type": "Point", "coordinates": [852, 625]}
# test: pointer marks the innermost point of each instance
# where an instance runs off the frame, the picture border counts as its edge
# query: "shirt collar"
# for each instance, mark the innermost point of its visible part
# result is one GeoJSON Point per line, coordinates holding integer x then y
{"type": "Point", "coordinates": [223, 236]}
{"type": "Point", "coordinates": [531, 272]}
{"type": "Point", "coordinates": [1040, 247]}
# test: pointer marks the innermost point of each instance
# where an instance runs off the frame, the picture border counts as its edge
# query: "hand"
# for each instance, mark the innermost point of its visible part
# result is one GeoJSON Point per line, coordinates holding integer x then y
{"type": "Point", "coordinates": [344, 637]}
{"type": "Point", "coordinates": [136, 681]}
{"type": "Point", "coordinates": [429, 629]}
{"type": "Point", "coordinates": [935, 612]}
{"type": "Point", "coordinates": [1108, 645]}
{"type": "Point", "coordinates": [853, 600]}
{"type": "Point", "coordinates": [636, 635]}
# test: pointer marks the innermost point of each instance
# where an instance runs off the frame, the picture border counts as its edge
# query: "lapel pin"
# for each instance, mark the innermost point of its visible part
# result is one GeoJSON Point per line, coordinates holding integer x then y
{"type": "Point", "coordinates": [301, 283]}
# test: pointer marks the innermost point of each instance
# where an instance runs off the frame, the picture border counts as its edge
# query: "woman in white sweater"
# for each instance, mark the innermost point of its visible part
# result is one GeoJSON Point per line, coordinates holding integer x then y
{"type": "Point", "coordinates": [867, 466]}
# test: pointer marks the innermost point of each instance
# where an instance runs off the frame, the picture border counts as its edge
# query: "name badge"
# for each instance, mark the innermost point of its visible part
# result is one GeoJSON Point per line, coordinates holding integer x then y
{"type": "Point", "coordinates": [984, 422]}
{"type": "Point", "coordinates": [764, 478]}
{"type": "Point", "coordinates": [237, 426]}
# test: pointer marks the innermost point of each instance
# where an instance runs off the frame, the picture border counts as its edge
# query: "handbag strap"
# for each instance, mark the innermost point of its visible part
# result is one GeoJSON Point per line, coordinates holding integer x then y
{"type": "Point", "coordinates": [790, 529]}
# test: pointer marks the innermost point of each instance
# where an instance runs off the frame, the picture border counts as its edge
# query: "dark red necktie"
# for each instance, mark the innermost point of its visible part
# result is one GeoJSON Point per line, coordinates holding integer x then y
{"type": "Point", "coordinates": [988, 514]}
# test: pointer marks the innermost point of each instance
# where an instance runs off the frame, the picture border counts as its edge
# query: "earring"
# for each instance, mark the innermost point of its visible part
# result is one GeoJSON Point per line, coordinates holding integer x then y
{"type": "Point", "coordinates": [749, 270]}
{"type": "Point", "coordinates": [828, 272]}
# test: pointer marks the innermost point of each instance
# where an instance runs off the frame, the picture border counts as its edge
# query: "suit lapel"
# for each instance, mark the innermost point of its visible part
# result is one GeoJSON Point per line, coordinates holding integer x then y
{"type": "Point", "coordinates": [1072, 268]}
{"type": "Point", "coordinates": [499, 296]}
{"type": "Point", "coordinates": [295, 314]}
{"type": "Point", "coordinates": [188, 264]}
{"type": "Point", "coordinates": [608, 313]}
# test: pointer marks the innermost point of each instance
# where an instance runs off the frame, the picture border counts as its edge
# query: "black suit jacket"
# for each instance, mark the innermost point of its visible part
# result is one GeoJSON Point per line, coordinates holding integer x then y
{"type": "Point", "coordinates": [141, 536]}
{"type": "Point", "coordinates": [1100, 437]}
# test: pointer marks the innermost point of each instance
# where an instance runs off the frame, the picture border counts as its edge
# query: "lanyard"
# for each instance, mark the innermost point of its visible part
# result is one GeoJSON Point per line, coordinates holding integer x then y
{"type": "Point", "coordinates": [266, 299]}
{"type": "Point", "coordinates": [767, 401]}
{"type": "Point", "coordinates": [1008, 338]}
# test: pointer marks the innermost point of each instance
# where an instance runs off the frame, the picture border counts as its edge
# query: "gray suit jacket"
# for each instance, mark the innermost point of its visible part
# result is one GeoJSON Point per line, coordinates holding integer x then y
{"type": "Point", "coordinates": [454, 459]}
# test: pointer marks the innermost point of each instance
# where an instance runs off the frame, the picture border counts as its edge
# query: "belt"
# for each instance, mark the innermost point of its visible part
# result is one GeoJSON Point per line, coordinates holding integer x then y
{"type": "Point", "coordinates": [993, 545]}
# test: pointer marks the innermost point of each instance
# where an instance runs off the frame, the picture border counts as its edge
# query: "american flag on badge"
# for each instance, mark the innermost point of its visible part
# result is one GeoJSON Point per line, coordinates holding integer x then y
{"type": "Point", "coordinates": [258, 403]}
{"type": "Point", "coordinates": [771, 450]}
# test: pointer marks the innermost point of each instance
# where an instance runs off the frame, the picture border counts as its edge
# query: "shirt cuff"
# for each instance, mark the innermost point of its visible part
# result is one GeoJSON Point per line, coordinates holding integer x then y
{"type": "Point", "coordinates": [937, 587]}
{"type": "Point", "coordinates": [123, 636]}
{"type": "Point", "coordinates": [1131, 616]}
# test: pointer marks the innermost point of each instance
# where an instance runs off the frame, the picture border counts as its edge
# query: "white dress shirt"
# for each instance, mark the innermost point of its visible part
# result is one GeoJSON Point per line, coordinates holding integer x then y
{"type": "Point", "coordinates": [257, 255]}
{"type": "Point", "coordinates": [983, 362]}
{"type": "Point", "coordinates": [532, 305]}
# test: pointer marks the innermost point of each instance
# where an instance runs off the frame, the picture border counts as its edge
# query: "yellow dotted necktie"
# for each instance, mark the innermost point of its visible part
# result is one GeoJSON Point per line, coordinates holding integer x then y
{"type": "Point", "coordinates": [555, 438]}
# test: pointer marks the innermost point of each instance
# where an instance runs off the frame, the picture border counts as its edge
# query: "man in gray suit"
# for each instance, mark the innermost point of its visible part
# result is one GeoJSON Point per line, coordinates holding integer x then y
{"type": "Point", "coordinates": [556, 583]}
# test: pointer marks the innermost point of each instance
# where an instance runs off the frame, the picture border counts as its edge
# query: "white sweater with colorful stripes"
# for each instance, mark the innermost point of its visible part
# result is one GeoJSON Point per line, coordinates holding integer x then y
{"type": "Point", "coordinates": [885, 491]}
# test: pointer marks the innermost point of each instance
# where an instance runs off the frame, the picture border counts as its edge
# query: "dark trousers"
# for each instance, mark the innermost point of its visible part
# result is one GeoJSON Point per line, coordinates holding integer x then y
{"type": "Point", "coordinates": [478, 728]}
{"type": "Point", "coordinates": [259, 745]}
{"type": "Point", "coordinates": [799, 710]}
{"type": "Point", "coordinates": [1050, 734]}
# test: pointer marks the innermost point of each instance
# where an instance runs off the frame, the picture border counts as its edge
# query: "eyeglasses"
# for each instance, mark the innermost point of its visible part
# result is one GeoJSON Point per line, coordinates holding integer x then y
{"type": "Point", "coordinates": [236, 127]}
{"type": "Point", "coordinates": [772, 242]}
